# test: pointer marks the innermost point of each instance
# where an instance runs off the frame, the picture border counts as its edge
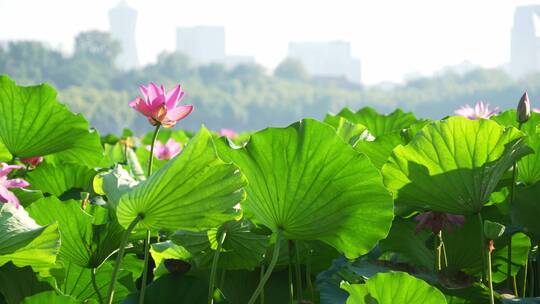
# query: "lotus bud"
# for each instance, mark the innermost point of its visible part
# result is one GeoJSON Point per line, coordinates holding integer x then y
{"type": "Point", "coordinates": [524, 109]}
{"type": "Point", "coordinates": [493, 230]}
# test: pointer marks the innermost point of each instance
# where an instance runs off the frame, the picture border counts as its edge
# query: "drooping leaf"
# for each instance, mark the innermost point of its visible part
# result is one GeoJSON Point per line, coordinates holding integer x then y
{"type": "Point", "coordinates": [391, 288]}
{"type": "Point", "coordinates": [466, 158]}
{"type": "Point", "coordinates": [194, 191]}
{"type": "Point", "coordinates": [58, 179]}
{"type": "Point", "coordinates": [34, 123]}
{"type": "Point", "coordinates": [24, 242]}
{"type": "Point", "coordinates": [379, 124]}
{"type": "Point", "coordinates": [241, 249]}
{"type": "Point", "coordinates": [83, 243]}
{"type": "Point", "coordinates": [307, 182]}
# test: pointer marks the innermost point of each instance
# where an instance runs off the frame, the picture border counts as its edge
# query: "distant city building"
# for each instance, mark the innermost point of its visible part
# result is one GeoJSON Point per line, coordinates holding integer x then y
{"type": "Point", "coordinates": [525, 45]}
{"type": "Point", "coordinates": [327, 59]}
{"type": "Point", "coordinates": [122, 22]}
{"type": "Point", "coordinates": [206, 44]}
{"type": "Point", "coordinates": [203, 44]}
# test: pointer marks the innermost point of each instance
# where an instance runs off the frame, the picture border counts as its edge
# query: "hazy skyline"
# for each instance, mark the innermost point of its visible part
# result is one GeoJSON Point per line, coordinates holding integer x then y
{"type": "Point", "coordinates": [391, 37]}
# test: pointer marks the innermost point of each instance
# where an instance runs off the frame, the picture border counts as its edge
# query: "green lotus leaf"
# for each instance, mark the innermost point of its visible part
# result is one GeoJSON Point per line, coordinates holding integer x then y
{"type": "Point", "coordinates": [24, 242]}
{"type": "Point", "coordinates": [453, 165]}
{"type": "Point", "coordinates": [56, 180]}
{"type": "Point", "coordinates": [306, 182]}
{"type": "Point", "coordinates": [238, 285]}
{"type": "Point", "coordinates": [76, 282]}
{"type": "Point", "coordinates": [379, 124]}
{"type": "Point", "coordinates": [528, 166]}
{"type": "Point", "coordinates": [391, 288]}
{"type": "Point", "coordinates": [405, 240]}
{"type": "Point", "coordinates": [380, 149]}
{"type": "Point", "coordinates": [19, 283]}
{"type": "Point", "coordinates": [83, 243]}
{"type": "Point", "coordinates": [174, 288]}
{"type": "Point", "coordinates": [349, 131]}
{"type": "Point", "coordinates": [34, 123]}
{"type": "Point", "coordinates": [114, 183]}
{"type": "Point", "coordinates": [5, 156]}
{"type": "Point", "coordinates": [241, 249]}
{"type": "Point", "coordinates": [526, 208]}
{"type": "Point", "coordinates": [168, 250]}
{"type": "Point", "coordinates": [194, 191]}
{"type": "Point", "coordinates": [49, 297]}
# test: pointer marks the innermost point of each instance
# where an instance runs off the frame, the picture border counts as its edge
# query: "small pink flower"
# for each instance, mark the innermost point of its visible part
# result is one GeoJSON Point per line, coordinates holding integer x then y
{"type": "Point", "coordinates": [166, 151]}
{"type": "Point", "coordinates": [7, 196]}
{"type": "Point", "coordinates": [480, 110]}
{"type": "Point", "coordinates": [159, 106]}
{"type": "Point", "coordinates": [536, 110]}
{"type": "Point", "coordinates": [229, 133]}
{"type": "Point", "coordinates": [32, 161]}
{"type": "Point", "coordinates": [437, 221]}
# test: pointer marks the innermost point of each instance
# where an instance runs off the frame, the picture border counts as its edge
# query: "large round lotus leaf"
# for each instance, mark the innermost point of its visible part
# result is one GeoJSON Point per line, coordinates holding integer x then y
{"type": "Point", "coordinates": [453, 165]}
{"type": "Point", "coordinates": [34, 123]}
{"type": "Point", "coordinates": [24, 242]}
{"type": "Point", "coordinates": [194, 191]}
{"type": "Point", "coordinates": [528, 166]}
{"type": "Point", "coordinates": [305, 181]}
{"type": "Point", "coordinates": [379, 124]}
{"type": "Point", "coordinates": [392, 288]}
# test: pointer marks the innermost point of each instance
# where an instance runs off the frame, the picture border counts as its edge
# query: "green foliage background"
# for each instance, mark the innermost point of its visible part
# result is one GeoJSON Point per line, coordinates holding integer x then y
{"type": "Point", "coordinates": [246, 97]}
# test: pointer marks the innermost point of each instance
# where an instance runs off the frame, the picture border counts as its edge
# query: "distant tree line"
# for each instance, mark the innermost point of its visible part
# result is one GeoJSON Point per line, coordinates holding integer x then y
{"type": "Point", "coordinates": [242, 98]}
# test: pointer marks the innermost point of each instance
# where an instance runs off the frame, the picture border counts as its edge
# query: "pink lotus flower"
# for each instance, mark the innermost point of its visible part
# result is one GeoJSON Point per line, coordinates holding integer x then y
{"type": "Point", "coordinates": [7, 196]}
{"type": "Point", "coordinates": [166, 151]}
{"type": "Point", "coordinates": [437, 221]}
{"type": "Point", "coordinates": [229, 133]}
{"type": "Point", "coordinates": [159, 106]}
{"type": "Point", "coordinates": [32, 161]}
{"type": "Point", "coordinates": [480, 110]}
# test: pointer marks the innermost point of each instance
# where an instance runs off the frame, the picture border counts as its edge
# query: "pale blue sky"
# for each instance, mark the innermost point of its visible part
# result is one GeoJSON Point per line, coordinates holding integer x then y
{"type": "Point", "coordinates": [392, 37]}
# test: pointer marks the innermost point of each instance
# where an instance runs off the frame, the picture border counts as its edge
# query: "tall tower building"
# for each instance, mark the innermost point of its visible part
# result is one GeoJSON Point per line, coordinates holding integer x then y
{"type": "Point", "coordinates": [122, 22]}
{"type": "Point", "coordinates": [203, 44]}
{"type": "Point", "coordinates": [525, 45]}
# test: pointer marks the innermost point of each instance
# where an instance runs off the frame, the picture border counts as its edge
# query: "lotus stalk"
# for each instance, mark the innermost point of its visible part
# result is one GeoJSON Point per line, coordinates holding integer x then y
{"type": "Point", "coordinates": [119, 257]}
{"type": "Point", "coordinates": [268, 273]}
{"type": "Point", "coordinates": [213, 271]}
{"type": "Point", "coordinates": [148, 232]}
